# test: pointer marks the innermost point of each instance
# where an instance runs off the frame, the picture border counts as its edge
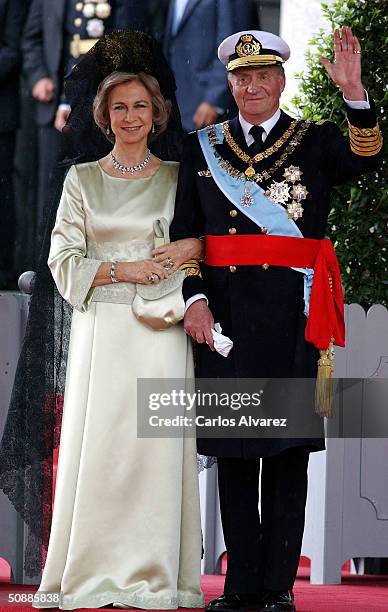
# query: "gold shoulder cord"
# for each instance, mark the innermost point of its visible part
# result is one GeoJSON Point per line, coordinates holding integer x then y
{"type": "Point", "coordinates": [365, 142]}
{"type": "Point", "coordinates": [250, 171]}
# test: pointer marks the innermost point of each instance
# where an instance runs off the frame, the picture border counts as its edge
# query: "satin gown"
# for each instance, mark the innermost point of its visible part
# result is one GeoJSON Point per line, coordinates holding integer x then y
{"type": "Point", "coordinates": [126, 519]}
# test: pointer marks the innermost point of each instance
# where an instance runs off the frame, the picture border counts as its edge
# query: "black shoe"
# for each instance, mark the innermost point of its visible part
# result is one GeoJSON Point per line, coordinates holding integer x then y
{"type": "Point", "coordinates": [233, 603]}
{"type": "Point", "coordinates": [278, 601]}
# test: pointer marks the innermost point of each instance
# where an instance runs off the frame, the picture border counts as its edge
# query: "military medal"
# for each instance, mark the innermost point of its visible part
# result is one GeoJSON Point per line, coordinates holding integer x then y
{"type": "Point", "coordinates": [279, 192]}
{"type": "Point", "coordinates": [250, 171]}
{"type": "Point", "coordinates": [292, 174]}
{"type": "Point", "coordinates": [294, 210]}
{"type": "Point", "coordinates": [103, 10]}
{"type": "Point", "coordinates": [95, 28]}
{"type": "Point", "coordinates": [299, 192]}
{"type": "Point", "coordinates": [247, 199]}
{"type": "Point", "coordinates": [89, 10]}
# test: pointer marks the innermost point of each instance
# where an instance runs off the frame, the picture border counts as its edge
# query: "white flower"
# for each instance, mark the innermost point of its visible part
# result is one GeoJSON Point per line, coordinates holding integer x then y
{"type": "Point", "coordinates": [372, 229]}
{"type": "Point", "coordinates": [334, 228]}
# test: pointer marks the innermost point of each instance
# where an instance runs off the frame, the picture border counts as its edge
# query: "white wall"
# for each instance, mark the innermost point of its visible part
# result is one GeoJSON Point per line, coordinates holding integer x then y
{"type": "Point", "coordinates": [299, 21]}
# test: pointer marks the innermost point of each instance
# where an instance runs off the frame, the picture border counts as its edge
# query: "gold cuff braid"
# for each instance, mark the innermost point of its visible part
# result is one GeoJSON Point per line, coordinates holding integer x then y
{"type": "Point", "coordinates": [365, 142]}
{"type": "Point", "coordinates": [191, 268]}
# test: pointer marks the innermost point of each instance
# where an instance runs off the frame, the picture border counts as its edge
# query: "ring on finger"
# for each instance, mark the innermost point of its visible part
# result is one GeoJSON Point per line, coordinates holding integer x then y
{"type": "Point", "coordinates": [357, 52]}
{"type": "Point", "coordinates": [151, 278]}
{"type": "Point", "coordinates": [169, 264]}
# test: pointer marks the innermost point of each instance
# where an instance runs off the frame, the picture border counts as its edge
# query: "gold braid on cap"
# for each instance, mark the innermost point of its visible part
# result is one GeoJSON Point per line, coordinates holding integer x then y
{"type": "Point", "coordinates": [365, 142]}
{"type": "Point", "coordinates": [254, 60]}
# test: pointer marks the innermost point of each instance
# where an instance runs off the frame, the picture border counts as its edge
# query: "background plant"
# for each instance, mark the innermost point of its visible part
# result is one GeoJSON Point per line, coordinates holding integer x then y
{"type": "Point", "coordinates": [358, 218]}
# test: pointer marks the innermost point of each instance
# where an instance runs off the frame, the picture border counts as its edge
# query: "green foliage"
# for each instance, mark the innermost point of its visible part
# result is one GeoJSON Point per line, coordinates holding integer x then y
{"type": "Point", "coordinates": [358, 218]}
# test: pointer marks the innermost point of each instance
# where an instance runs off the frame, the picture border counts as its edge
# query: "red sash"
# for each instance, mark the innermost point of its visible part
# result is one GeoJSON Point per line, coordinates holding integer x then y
{"type": "Point", "coordinates": [326, 315]}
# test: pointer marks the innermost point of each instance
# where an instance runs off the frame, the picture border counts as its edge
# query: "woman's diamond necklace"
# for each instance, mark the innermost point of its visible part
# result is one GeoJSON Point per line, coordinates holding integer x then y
{"type": "Point", "coordinates": [131, 169]}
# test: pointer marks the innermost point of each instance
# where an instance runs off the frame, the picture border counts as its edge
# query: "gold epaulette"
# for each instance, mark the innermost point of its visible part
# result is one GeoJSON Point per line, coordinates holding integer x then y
{"type": "Point", "coordinates": [191, 268]}
{"type": "Point", "coordinates": [365, 141]}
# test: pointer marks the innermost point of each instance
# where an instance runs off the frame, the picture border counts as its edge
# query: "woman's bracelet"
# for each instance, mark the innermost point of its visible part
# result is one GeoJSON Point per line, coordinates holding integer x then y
{"type": "Point", "coordinates": [113, 272]}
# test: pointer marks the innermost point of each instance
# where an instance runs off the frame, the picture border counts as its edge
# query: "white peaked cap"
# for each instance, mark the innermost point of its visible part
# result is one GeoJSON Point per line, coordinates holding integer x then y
{"type": "Point", "coordinates": [252, 48]}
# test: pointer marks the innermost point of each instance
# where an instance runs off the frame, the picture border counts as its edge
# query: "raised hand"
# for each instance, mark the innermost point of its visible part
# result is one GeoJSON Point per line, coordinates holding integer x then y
{"type": "Point", "coordinates": [345, 70]}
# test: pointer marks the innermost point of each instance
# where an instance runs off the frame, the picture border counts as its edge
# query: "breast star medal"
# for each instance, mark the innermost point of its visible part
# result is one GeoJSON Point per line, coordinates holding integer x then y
{"type": "Point", "coordinates": [279, 192]}
{"type": "Point", "coordinates": [292, 174]}
{"type": "Point", "coordinates": [294, 210]}
{"type": "Point", "coordinates": [299, 192]}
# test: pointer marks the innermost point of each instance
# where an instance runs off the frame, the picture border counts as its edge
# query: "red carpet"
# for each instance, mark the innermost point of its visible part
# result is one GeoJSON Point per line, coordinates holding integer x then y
{"type": "Point", "coordinates": [355, 594]}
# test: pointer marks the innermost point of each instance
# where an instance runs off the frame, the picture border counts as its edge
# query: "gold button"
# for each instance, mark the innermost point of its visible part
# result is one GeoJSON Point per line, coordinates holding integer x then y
{"type": "Point", "coordinates": [232, 230]}
{"type": "Point", "coordinates": [232, 268]}
{"type": "Point", "coordinates": [78, 22]}
{"type": "Point", "coordinates": [233, 213]}
{"type": "Point", "coordinates": [265, 266]}
{"type": "Point", "coordinates": [264, 230]}
{"type": "Point", "coordinates": [79, 6]}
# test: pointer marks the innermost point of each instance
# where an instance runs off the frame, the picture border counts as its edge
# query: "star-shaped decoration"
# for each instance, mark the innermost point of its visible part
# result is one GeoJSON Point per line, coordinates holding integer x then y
{"type": "Point", "coordinates": [279, 192]}
{"type": "Point", "coordinates": [294, 210]}
{"type": "Point", "coordinates": [299, 192]}
{"type": "Point", "coordinates": [293, 174]}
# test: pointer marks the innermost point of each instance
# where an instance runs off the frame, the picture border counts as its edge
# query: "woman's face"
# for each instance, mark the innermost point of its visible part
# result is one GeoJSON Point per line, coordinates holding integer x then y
{"type": "Point", "coordinates": [130, 111]}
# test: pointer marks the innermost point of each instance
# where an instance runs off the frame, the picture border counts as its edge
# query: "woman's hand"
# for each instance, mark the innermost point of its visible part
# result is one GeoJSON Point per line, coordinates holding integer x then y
{"type": "Point", "coordinates": [176, 253]}
{"type": "Point", "coordinates": [141, 272]}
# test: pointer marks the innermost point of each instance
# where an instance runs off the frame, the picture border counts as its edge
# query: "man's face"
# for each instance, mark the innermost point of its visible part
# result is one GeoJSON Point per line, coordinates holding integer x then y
{"type": "Point", "coordinates": [257, 91]}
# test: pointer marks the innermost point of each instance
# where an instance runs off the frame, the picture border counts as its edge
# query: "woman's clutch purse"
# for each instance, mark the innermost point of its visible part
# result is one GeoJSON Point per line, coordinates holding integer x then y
{"type": "Point", "coordinates": [162, 305]}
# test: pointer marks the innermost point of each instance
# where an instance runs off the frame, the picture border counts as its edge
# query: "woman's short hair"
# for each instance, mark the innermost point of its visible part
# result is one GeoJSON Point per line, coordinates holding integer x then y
{"type": "Point", "coordinates": [160, 107]}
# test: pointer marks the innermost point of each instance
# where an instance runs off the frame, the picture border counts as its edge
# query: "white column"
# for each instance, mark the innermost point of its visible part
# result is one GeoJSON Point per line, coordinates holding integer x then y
{"type": "Point", "coordinates": [300, 20]}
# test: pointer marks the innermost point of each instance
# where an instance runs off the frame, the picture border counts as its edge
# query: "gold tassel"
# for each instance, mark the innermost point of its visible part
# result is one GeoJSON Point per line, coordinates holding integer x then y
{"type": "Point", "coordinates": [324, 390]}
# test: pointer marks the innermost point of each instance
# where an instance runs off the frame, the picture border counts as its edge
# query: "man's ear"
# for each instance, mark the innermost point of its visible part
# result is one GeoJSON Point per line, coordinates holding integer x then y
{"type": "Point", "coordinates": [230, 86]}
{"type": "Point", "coordinates": [283, 83]}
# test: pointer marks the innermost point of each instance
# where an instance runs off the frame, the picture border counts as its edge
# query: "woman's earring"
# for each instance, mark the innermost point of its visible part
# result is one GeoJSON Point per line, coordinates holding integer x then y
{"type": "Point", "coordinates": [107, 131]}
{"type": "Point", "coordinates": [153, 128]}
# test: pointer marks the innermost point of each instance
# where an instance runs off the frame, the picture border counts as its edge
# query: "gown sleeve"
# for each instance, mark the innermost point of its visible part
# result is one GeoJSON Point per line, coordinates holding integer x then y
{"type": "Point", "coordinates": [72, 270]}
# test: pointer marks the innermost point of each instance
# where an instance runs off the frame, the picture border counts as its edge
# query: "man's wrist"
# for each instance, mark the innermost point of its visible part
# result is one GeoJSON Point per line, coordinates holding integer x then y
{"type": "Point", "coordinates": [195, 298]}
{"type": "Point", "coordinates": [354, 93]}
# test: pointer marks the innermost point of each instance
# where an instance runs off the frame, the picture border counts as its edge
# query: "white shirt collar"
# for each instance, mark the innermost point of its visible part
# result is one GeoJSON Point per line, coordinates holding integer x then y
{"type": "Point", "coordinates": [179, 10]}
{"type": "Point", "coordinates": [267, 125]}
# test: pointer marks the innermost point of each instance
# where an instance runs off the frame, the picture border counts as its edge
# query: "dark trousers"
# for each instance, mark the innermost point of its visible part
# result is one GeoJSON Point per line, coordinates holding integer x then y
{"type": "Point", "coordinates": [263, 551]}
{"type": "Point", "coordinates": [7, 204]}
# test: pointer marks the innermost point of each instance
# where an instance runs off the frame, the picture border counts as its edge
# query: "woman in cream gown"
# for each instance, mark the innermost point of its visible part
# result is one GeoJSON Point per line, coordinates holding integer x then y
{"type": "Point", "coordinates": [126, 522]}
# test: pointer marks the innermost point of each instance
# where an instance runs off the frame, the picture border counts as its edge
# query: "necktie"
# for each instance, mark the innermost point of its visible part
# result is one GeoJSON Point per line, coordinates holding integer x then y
{"type": "Point", "coordinates": [257, 132]}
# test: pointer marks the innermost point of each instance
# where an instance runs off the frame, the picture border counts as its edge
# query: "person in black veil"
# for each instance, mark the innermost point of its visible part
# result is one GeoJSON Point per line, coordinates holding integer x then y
{"type": "Point", "coordinates": [109, 542]}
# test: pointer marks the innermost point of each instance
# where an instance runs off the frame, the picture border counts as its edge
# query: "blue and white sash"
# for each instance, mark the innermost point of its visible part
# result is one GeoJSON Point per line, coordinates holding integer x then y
{"type": "Point", "coordinates": [263, 211]}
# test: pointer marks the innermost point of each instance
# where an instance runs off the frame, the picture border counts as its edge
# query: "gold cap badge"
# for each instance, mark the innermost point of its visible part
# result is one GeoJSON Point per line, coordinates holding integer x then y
{"type": "Point", "coordinates": [248, 45]}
